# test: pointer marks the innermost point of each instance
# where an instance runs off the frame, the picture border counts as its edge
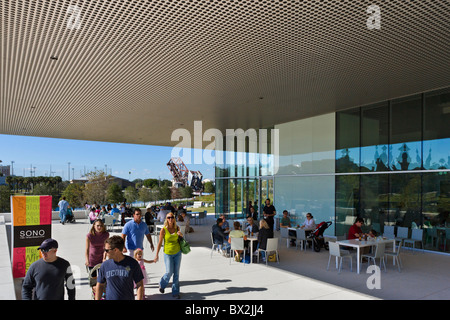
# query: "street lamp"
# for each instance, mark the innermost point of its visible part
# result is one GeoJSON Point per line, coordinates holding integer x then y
{"type": "Point", "coordinates": [68, 171]}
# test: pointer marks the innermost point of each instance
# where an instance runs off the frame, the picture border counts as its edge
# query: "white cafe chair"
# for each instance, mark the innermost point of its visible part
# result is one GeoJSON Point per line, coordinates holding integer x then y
{"type": "Point", "coordinates": [302, 239]}
{"type": "Point", "coordinates": [402, 234]}
{"type": "Point", "coordinates": [215, 246]}
{"type": "Point", "coordinates": [395, 257]}
{"type": "Point", "coordinates": [272, 246]}
{"type": "Point", "coordinates": [335, 251]}
{"type": "Point", "coordinates": [109, 222]}
{"type": "Point", "coordinates": [379, 254]}
{"type": "Point", "coordinates": [416, 236]}
{"type": "Point", "coordinates": [237, 244]}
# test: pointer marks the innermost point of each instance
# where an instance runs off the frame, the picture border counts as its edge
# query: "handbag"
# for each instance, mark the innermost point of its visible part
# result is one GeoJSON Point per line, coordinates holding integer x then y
{"type": "Point", "coordinates": [184, 245]}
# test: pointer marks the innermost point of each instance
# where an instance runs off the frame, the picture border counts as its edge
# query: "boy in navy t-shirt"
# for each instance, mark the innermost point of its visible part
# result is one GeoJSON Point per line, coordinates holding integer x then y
{"type": "Point", "coordinates": [119, 274]}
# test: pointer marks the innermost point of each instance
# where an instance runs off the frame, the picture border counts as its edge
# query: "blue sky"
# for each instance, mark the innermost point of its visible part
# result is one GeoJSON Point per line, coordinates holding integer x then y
{"type": "Point", "coordinates": [44, 153]}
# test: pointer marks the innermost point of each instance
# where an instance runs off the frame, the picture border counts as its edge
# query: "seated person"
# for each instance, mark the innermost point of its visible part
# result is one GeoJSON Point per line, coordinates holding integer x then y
{"type": "Point", "coordinates": [355, 230]}
{"type": "Point", "coordinates": [187, 222]}
{"type": "Point", "coordinates": [252, 227]}
{"type": "Point", "coordinates": [286, 223]}
{"type": "Point", "coordinates": [225, 226]}
{"type": "Point", "coordinates": [252, 213]}
{"type": "Point", "coordinates": [309, 223]}
{"type": "Point", "coordinates": [219, 236]}
{"type": "Point", "coordinates": [237, 233]}
{"type": "Point", "coordinates": [93, 215]}
{"type": "Point", "coordinates": [264, 234]}
{"type": "Point", "coordinates": [372, 234]}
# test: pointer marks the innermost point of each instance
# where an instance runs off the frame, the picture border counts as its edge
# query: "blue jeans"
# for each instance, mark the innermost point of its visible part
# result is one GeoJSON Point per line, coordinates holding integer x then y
{"type": "Point", "coordinates": [62, 215]}
{"type": "Point", "coordinates": [172, 262]}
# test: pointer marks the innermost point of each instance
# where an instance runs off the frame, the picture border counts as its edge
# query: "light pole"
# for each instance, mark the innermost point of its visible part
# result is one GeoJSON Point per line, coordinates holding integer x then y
{"type": "Point", "coordinates": [68, 171]}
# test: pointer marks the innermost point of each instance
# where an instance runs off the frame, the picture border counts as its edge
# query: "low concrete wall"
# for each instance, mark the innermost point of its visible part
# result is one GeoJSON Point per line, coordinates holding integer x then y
{"type": "Point", "coordinates": [79, 214]}
{"type": "Point", "coordinates": [7, 291]}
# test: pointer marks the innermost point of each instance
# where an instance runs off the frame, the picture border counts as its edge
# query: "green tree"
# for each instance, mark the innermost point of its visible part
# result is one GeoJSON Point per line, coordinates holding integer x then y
{"type": "Point", "coordinates": [150, 183]}
{"type": "Point", "coordinates": [5, 202]}
{"type": "Point", "coordinates": [164, 193]}
{"type": "Point", "coordinates": [114, 193]}
{"type": "Point", "coordinates": [95, 188]}
{"type": "Point", "coordinates": [74, 194]}
{"type": "Point", "coordinates": [131, 194]}
{"type": "Point", "coordinates": [208, 187]}
{"type": "Point", "coordinates": [145, 195]}
{"type": "Point", "coordinates": [186, 192]}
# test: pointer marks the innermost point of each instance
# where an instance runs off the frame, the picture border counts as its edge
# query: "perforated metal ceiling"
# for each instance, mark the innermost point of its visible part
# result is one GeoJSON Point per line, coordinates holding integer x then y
{"type": "Point", "coordinates": [136, 70]}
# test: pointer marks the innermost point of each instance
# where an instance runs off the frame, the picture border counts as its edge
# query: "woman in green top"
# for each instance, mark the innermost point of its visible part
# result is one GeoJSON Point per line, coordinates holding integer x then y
{"type": "Point", "coordinates": [172, 254]}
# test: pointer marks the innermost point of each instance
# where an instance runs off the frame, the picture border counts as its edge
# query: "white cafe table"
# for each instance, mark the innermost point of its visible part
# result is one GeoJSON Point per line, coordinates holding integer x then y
{"type": "Point", "coordinates": [355, 243]}
{"type": "Point", "coordinates": [252, 239]}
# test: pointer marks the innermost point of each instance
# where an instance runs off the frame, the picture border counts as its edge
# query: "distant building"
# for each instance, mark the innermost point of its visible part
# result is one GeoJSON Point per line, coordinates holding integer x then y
{"type": "Point", "coordinates": [5, 171]}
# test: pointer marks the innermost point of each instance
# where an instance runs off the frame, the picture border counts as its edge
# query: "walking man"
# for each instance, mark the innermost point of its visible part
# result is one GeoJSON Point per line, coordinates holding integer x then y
{"type": "Point", "coordinates": [120, 272]}
{"type": "Point", "coordinates": [48, 275]}
{"type": "Point", "coordinates": [133, 233]}
{"type": "Point", "coordinates": [63, 205]}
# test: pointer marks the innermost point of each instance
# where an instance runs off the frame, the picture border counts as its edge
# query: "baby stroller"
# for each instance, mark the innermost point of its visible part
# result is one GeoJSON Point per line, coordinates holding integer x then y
{"type": "Point", "coordinates": [69, 218]}
{"type": "Point", "coordinates": [317, 236]}
{"type": "Point", "coordinates": [93, 280]}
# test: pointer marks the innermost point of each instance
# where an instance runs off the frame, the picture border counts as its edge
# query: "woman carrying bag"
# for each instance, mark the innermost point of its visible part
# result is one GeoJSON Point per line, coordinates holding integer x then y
{"type": "Point", "coordinates": [170, 234]}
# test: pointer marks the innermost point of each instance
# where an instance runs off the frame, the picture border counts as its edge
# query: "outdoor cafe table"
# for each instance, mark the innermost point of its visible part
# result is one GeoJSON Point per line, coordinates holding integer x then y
{"type": "Point", "coordinates": [252, 239]}
{"type": "Point", "coordinates": [355, 243]}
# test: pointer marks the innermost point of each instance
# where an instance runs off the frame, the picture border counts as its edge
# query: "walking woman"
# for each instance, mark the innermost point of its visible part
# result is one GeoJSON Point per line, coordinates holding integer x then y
{"type": "Point", "coordinates": [95, 241]}
{"type": "Point", "coordinates": [172, 254]}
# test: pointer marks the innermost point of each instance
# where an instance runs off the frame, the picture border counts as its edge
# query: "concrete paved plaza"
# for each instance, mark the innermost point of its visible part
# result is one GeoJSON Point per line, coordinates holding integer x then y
{"type": "Point", "coordinates": [300, 275]}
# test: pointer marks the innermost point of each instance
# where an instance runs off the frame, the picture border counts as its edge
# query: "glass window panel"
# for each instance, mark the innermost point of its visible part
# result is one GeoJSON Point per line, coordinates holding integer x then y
{"type": "Point", "coordinates": [375, 202]}
{"type": "Point", "coordinates": [436, 134]}
{"type": "Point", "coordinates": [436, 210]}
{"type": "Point", "coordinates": [348, 140]}
{"type": "Point", "coordinates": [302, 194]}
{"type": "Point", "coordinates": [405, 199]}
{"type": "Point", "coordinates": [374, 137]}
{"type": "Point", "coordinates": [406, 134]}
{"type": "Point", "coordinates": [347, 202]}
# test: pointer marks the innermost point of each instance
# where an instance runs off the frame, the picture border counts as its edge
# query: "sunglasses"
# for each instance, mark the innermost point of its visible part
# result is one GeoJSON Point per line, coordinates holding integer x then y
{"type": "Point", "coordinates": [171, 217]}
{"type": "Point", "coordinates": [46, 250]}
{"type": "Point", "coordinates": [108, 250]}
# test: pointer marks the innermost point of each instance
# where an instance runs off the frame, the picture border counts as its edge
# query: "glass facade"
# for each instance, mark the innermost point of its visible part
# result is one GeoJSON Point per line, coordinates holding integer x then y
{"type": "Point", "coordinates": [388, 163]}
{"type": "Point", "coordinates": [402, 176]}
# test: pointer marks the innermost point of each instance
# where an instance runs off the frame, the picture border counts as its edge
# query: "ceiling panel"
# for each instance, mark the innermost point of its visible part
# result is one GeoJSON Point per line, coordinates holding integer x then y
{"type": "Point", "coordinates": [135, 71]}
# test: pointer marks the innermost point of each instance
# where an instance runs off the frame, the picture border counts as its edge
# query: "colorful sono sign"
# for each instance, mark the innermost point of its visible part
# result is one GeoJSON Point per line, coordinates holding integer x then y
{"type": "Point", "coordinates": [31, 224]}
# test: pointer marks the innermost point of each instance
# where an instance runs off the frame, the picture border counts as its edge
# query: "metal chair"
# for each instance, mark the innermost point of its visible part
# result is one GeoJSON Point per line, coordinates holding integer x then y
{"type": "Point", "coordinates": [109, 222]}
{"type": "Point", "coordinates": [336, 251]}
{"type": "Point", "coordinates": [389, 232]}
{"type": "Point", "coordinates": [272, 246]}
{"type": "Point", "coordinates": [416, 236]}
{"type": "Point", "coordinates": [302, 240]}
{"type": "Point", "coordinates": [395, 257]}
{"type": "Point", "coordinates": [379, 254]}
{"type": "Point", "coordinates": [237, 244]}
{"type": "Point", "coordinates": [432, 233]}
{"type": "Point", "coordinates": [402, 234]}
{"type": "Point", "coordinates": [214, 245]}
